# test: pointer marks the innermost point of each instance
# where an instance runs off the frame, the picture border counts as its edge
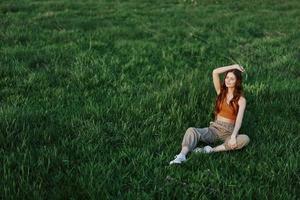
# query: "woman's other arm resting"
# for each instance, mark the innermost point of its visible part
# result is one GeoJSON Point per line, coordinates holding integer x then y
{"type": "Point", "coordinates": [240, 115]}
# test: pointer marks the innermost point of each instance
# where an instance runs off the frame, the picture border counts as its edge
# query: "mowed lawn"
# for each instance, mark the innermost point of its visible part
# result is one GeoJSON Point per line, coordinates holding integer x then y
{"type": "Point", "coordinates": [95, 97]}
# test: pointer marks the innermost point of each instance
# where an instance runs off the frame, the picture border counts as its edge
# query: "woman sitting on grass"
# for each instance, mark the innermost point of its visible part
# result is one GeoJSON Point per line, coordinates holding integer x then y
{"type": "Point", "coordinates": [229, 111]}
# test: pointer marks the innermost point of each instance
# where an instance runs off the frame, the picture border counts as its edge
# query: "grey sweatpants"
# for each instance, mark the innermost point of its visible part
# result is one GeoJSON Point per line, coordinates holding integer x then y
{"type": "Point", "coordinates": [218, 130]}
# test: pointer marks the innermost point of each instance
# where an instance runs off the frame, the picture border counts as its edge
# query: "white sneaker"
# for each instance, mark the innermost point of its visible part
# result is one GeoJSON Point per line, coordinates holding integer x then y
{"type": "Point", "coordinates": [178, 159]}
{"type": "Point", "coordinates": [206, 149]}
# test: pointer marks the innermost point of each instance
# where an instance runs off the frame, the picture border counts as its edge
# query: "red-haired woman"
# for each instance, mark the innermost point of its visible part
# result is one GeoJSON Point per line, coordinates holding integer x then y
{"type": "Point", "coordinates": [229, 111]}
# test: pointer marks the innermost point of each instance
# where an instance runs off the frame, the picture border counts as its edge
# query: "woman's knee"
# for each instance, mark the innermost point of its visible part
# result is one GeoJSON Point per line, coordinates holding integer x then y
{"type": "Point", "coordinates": [190, 138]}
{"type": "Point", "coordinates": [242, 141]}
{"type": "Point", "coordinates": [190, 131]}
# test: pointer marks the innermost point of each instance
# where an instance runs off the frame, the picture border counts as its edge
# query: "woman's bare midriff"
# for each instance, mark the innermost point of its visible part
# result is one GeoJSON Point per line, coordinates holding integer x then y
{"type": "Point", "coordinates": [225, 119]}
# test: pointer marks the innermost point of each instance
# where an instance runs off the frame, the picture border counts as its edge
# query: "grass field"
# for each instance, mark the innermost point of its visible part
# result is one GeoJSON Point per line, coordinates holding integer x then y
{"type": "Point", "coordinates": [95, 97]}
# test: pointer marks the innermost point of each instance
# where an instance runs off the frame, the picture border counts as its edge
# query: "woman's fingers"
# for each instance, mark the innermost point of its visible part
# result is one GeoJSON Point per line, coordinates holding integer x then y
{"type": "Point", "coordinates": [233, 146]}
{"type": "Point", "coordinates": [241, 68]}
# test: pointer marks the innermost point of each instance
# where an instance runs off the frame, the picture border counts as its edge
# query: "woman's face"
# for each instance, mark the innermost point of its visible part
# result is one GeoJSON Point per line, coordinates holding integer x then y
{"type": "Point", "coordinates": [230, 80]}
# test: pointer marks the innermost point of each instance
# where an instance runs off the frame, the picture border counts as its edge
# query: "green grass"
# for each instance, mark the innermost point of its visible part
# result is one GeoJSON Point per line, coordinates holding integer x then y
{"type": "Point", "coordinates": [95, 97]}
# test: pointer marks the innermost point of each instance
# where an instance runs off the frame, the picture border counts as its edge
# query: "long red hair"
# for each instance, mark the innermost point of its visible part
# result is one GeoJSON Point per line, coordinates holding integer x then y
{"type": "Point", "coordinates": [238, 92]}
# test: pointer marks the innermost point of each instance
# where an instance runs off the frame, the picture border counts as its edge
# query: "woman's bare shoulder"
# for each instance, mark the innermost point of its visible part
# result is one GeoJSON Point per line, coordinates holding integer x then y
{"type": "Point", "coordinates": [242, 100]}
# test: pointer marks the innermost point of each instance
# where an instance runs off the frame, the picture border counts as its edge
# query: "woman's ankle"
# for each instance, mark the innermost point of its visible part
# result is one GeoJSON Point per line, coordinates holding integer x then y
{"type": "Point", "coordinates": [184, 150]}
{"type": "Point", "coordinates": [219, 148]}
